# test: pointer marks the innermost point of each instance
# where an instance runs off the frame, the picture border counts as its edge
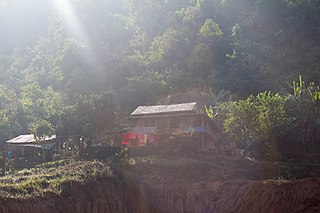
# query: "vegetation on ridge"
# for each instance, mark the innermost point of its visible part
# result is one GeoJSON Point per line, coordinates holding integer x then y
{"type": "Point", "coordinates": [51, 178]}
{"type": "Point", "coordinates": [83, 75]}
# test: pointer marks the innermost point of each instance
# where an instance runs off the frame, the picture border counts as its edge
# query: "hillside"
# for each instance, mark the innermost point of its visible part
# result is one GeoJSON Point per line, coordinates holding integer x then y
{"type": "Point", "coordinates": [151, 183]}
{"type": "Point", "coordinates": [76, 69]}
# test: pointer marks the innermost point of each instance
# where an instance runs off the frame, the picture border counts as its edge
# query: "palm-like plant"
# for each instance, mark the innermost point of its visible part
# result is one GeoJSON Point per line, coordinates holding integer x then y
{"type": "Point", "coordinates": [216, 97]}
{"type": "Point", "coordinates": [303, 106]}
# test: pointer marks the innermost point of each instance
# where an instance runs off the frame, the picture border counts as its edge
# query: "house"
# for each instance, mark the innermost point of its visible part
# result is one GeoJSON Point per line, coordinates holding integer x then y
{"type": "Point", "coordinates": [160, 123]}
{"type": "Point", "coordinates": [27, 145]}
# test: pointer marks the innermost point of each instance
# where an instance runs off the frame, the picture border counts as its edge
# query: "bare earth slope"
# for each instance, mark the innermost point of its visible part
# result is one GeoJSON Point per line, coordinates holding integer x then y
{"type": "Point", "coordinates": [163, 182]}
{"type": "Point", "coordinates": [237, 196]}
{"type": "Point", "coordinates": [212, 183]}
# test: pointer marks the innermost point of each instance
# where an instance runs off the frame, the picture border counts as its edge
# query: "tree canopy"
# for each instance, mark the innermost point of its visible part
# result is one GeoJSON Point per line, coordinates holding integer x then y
{"type": "Point", "coordinates": [82, 65]}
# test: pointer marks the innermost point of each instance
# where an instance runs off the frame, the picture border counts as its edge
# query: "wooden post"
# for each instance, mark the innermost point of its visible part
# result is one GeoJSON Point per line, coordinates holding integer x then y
{"type": "Point", "coordinates": [44, 154]}
{"type": "Point", "coordinates": [202, 139]}
{"type": "Point", "coordinates": [202, 121]}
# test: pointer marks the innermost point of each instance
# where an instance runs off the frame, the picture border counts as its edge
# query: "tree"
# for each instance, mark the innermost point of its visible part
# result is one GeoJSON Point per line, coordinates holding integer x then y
{"type": "Point", "coordinates": [255, 120]}
{"type": "Point", "coordinates": [96, 113]}
{"type": "Point", "coordinates": [143, 90]}
{"type": "Point", "coordinates": [42, 129]}
{"type": "Point", "coordinates": [11, 115]}
{"type": "Point", "coordinates": [41, 105]}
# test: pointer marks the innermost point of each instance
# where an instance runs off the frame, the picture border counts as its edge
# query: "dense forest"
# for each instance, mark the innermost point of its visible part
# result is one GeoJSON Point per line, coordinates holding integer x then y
{"type": "Point", "coordinates": [79, 67]}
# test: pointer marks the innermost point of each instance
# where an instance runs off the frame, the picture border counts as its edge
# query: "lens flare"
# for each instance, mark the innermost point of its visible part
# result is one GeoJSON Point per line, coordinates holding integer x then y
{"type": "Point", "coordinates": [2, 6]}
{"type": "Point", "coordinates": [66, 10]}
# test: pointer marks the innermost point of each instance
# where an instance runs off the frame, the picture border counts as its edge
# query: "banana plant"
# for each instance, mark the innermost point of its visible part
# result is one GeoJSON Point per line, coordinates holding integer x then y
{"type": "Point", "coordinates": [211, 112]}
{"type": "Point", "coordinates": [305, 104]}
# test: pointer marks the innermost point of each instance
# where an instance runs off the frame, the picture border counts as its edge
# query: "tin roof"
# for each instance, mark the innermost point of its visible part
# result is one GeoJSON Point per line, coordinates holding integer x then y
{"type": "Point", "coordinates": [28, 139]}
{"type": "Point", "coordinates": [161, 109]}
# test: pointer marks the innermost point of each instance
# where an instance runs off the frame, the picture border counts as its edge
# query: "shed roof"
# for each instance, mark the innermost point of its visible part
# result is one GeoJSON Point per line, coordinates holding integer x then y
{"type": "Point", "coordinates": [28, 139]}
{"type": "Point", "coordinates": [162, 109]}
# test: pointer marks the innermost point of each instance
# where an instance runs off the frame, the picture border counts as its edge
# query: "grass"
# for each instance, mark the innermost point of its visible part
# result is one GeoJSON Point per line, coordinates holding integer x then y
{"type": "Point", "coordinates": [51, 178]}
{"type": "Point", "coordinates": [217, 167]}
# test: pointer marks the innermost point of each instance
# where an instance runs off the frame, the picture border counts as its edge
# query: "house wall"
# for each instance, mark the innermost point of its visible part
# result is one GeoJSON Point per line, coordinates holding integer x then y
{"type": "Point", "coordinates": [164, 126]}
{"type": "Point", "coordinates": [163, 123]}
{"type": "Point", "coordinates": [23, 151]}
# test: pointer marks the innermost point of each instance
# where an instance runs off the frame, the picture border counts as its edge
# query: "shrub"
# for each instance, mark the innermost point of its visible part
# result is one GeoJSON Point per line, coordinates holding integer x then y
{"type": "Point", "coordinates": [254, 120]}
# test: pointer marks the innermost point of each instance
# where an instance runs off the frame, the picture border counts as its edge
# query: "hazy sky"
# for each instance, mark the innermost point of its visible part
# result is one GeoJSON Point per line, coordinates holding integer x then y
{"type": "Point", "coordinates": [22, 23]}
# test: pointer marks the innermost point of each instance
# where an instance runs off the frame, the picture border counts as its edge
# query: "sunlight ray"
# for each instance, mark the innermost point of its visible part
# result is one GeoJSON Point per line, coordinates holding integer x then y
{"type": "Point", "coordinates": [66, 10]}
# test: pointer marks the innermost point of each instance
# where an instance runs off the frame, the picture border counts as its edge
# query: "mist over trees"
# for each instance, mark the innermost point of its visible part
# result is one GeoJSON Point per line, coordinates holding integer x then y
{"type": "Point", "coordinates": [61, 61]}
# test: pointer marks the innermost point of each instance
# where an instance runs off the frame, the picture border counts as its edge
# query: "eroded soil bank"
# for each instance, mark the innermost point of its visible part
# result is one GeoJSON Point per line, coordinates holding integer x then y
{"type": "Point", "coordinates": [237, 196]}
{"type": "Point", "coordinates": [219, 196]}
{"type": "Point", "coordinates": [160, 183]}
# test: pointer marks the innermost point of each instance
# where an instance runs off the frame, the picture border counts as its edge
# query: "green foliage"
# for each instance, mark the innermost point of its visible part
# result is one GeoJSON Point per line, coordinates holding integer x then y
{"type": "Point", "coordinates": [215, 97]}
{"type": "Point", "coordinates": [120, 156]}
{"type": "Point", "coordinates": [254, 119]}
{"type": "Point", "coordinates": [143, 90]}
{"type": "Point", "coordinates": [272, 113]}
{"type": "Point", "coordinates": [296, 171]}
{"type": "Point", "coordinates": [210, 112]}
{"type": "Point", "coordinates": [96, 113]}
{"type": "Point", "coordinates": [201, 60]}
{"type": "Point", "coordinates": [304, 107]}
{"type": "Point", "coordinates": [52, 178]}
{"type": "Point", "coordinates": [210, 30]}
{"type": "Point", "coordinates": [11, 118]}
{"type": "Point", "coordinates": [312, 92]}
{"type": "Point", "coordinates": [144, 50]}
{"type": "Point", "coordinates": [165, 50]}
{"type": "Point", "coordinates": [240, 119]}
{"type": "Point", "coordinates": [43, 107]}
{"type": "Point", "coordinates": [41, 129]}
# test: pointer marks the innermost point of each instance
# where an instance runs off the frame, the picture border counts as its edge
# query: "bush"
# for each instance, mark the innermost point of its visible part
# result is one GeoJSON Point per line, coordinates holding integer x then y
{"type": "Point", "coordinates": [254, 120]}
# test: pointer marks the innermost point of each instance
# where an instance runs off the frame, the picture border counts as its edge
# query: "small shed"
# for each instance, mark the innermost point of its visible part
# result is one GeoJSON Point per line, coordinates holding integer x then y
{"type": "Point", "coordinates": [26, 145]}
{"type": "Point", "coordinates": [160, 122]}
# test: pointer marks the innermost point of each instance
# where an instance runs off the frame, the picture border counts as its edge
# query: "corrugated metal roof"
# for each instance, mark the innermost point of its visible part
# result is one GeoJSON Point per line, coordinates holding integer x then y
{"type": "Point", "coordinates": [160, 109]}
{"type": "Point", "coordinates": [28, 139]}
{"type": "Point", "coordinates": [46, 146]}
